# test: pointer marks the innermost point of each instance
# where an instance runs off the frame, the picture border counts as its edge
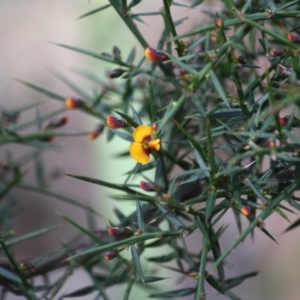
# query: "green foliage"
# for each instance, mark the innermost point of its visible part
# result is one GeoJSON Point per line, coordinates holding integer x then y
{"type": "Point", "coordinates": [215, 103]}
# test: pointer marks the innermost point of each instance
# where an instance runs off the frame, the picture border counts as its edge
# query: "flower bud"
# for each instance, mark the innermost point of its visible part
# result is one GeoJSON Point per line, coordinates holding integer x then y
{"type": "Point", "coordinates": [194, 275]}
{"type": "Point", "coordinates": [270, 144]}
{"type": "Point", "coordinates": [96, 132]}
{"type": "Point", "coordinates": [114, 122]}
{"type": "Point", "coordinates": [111, 254]}
{"type": "Point", "coordinates": [294, 37]}
{"type": "Point", "coordinates": [242, 59]}
{"type": "Point", "coordinates": [27, 267]}
{"type": "Point", "coordinates": [116, 73]}
{"type": "Point", "coordinates": [219, 23]}
{"type": "Point", "coordinates": [71, 102]}
{"type": "Point", "coordinates": [283, 70]}
{"type": "Point", "coordinates": [246, 210]}
{"type": "Point", "coordinates": [155, 55]}
{"type": "Point", "coordinates": [55, 123]}
{"type": "Point", "coordinates": [214, 38]}
{"type": "Point", "coordinates": [283, 120]}
{"type": "Point", "coordinates": [148, 186]}
{"type": "Point", "coordinates": [277, 51]}
{"type": "Point", "coordinates": [116, 51]}
{"type": "Point", "coordinates": [46, 139]}
{"type": "Point", "coordinates": [120, 231]}
{"type": "Point", "coordinates": [154, 127]}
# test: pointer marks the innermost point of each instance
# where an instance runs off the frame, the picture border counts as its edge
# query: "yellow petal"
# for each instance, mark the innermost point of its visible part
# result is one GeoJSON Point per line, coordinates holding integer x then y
{"type": "Point", "coordinates": [138, 153]}
{"type": "Point", "coordinates": [154, 144]}
{"type": "Point", "coordinates": [141, 132]}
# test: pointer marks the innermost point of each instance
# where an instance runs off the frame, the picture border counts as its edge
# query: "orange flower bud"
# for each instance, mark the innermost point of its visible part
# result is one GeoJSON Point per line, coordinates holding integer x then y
{"type": "Point", "coordinates": [155, 55]}
{"type": "Point", "coordinates": [111, 254]}
{"type": "Point", "coordinates": [213, 38]}
{"type": "Point", "coordinates": [219, 23]}
{"type": "Point", "coordinates": [148, 186]}
{"type": "Point", "coordinates": [294, 37]}
{"type": "Point", "coordinates": [121, 231]}
{"type": "Point", "coordinates": [116, 73]}
{"type": "Point", "coordinates": [96, 132]}
{"type": "Point", "coordinates": [74, 103]}
{"type": "Point", "coordinates": [270, 144]}
{"type": "Point", "coordinates": [242, 59]}
{"type": "Point", "coordinates": [277, 51]}
{"type": "Point", "coordinates": [246, 210]}
{"type": "Point", "coordinates": [55, 123]}
{"type": "Point", "coordinates": [114, 122]}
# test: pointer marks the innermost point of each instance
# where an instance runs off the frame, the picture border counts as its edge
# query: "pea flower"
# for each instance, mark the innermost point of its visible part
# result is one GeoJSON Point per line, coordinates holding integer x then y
{"type": "Point", "coordinates": [143, 144]}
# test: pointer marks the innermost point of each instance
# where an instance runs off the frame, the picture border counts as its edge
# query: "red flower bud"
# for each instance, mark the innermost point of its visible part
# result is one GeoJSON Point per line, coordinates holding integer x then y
{"type": "Point", "coordinates": [246, 210]}
{"type": "Point", "coordinates": [155, 55]}
{"type": "Point", "coordinates": [277, 51]}
{"type": "Point", "coordinates": [283, 120]}
{"type": "Point", "coordinates": [111, 254]}
{"type": "Point", "coordinates": [116, 73]}
{"type": "Point", "coordinates": [121, 231]}
{"type": "Point", "coordinates": [96, 132]}
{"type": "Point", "coordinates": [55, 123]}
{"type": "Point", "coordinates": [294, 37]}
{"type": "Point", "coordinates": [74, 103]}
{"type": "Point", "coordinates": [148, 186]}
{"type": "Point", "coordinates": [114, 122]}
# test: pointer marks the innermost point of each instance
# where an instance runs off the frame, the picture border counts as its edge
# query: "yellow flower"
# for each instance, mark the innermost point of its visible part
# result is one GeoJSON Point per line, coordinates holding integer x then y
{"type": "Point", "coordinates": [143, 144]}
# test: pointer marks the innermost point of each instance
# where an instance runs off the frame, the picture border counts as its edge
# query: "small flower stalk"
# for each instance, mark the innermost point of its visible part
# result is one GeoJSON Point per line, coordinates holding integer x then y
{"type": "Point", "coordinates": [144, 143]}
{"type": "Point", "coordinates": [115, 122]}
{"type": "Point", "coordinates": [155, 55]}
{"type": "Point", "coordinates": [121, 231]}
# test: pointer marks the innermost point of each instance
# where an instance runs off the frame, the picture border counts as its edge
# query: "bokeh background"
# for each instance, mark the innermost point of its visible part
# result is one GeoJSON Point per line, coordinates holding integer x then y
{"type": "Point", "coordinates": [27, 31]}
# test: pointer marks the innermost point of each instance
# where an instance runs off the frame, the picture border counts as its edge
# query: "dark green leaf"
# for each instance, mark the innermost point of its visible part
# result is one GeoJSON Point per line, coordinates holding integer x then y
{"type": "Point", "coordinates": [175, 293]}
{"type": "Point", "coordinates": [94, 11]}
{"type": "Point", "coordinates": [136, 262]}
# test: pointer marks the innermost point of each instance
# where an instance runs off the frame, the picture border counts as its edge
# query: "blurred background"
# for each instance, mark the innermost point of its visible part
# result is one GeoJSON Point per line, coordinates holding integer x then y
{"type": "Point", "coordinates": [28, 30]}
